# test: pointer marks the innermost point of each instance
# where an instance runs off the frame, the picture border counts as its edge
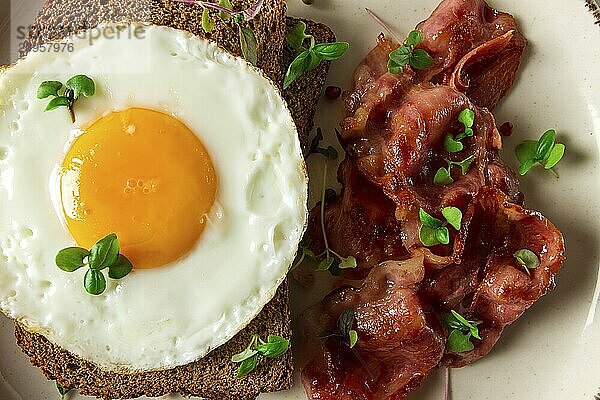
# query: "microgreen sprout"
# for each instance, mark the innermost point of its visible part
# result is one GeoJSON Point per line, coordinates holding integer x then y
{"type": "Point", "coordinates": [309, 54]}
{"type": "Point", "coordinates": [461, 331]}
{"type": "Point", "coordinates": [66, 95]}
{"type": "Point", "coordinates": [274, 347]}
{"type": "Point", "coordinates": [406, 54]}
{"type": "Point", "coordinates": [452, 143]}
{"type": "Point", "coordinates": [545, 152]}
{"type": "Point", "coordinates": [328, 260]}
{"type": "Point", "coordinates": [104, 254]}
{"type": "Point", "coordinates": [248, 42]}
{"type": "Point", "coordinates": [443, 176]}
{"type": "Point", "coordinates": [61, 390]}
{"type": "Point", "coordinates": [433, 231]}
{"type": "Point", "coordinates": [527, 259]}
{"type": "Point", "coordinates": [344, 329]}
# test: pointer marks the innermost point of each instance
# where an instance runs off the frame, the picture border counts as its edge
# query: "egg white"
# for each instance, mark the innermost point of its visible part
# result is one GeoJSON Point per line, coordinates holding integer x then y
{"type": "Point", "coordinates": [170, 316]}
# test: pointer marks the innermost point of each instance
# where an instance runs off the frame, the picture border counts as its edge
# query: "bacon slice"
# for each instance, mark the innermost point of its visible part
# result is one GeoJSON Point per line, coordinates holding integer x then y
{"type": "Point", "coordinates": [476, 49]}
{"type": "Point", "coordinates": [399, 342]}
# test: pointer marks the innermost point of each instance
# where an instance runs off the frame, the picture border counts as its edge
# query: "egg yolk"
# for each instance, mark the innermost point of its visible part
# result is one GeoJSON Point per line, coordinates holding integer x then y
{"type": "Point", "coordinates": [143, 175]}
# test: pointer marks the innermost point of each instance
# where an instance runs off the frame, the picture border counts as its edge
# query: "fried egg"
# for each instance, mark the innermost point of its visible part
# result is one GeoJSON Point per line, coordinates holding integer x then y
{"type": "Point", "coordinates": [188, 154]}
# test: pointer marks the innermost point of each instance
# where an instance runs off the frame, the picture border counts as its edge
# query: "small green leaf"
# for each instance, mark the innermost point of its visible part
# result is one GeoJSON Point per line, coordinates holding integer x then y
{"type": "Point", "coordinates": [330, 152]}
{"type": "Point", "coordinates": [427, 236]}
{"type": "Point", "coordinates": [345, 322]}
{"type": "Point", "coordinates": [348, 263]}
{"type": "Point", "coordinates": [331, 51]}
{"type": "Point", "coordinates": [467, 118]}
{"type": "Point", "coordinates": [223, 15]}
{"type": "Point", "coordinates": [94, 282]}
{"type": "Point", "coordinates": [526, 150]}
{"type": "Point", "coordinates": [49, 88]}
{"type": "Point", "coordinates": [81, 85]}
{"type": "Point", "coordinates": [395, 68]}
{"type": "Point", "coordinates": [353, 336]}
{"type": "Point", "coordinates": [296, 37]}
{"type": "Point", "coordinates": [526, 166]}
{"type": "Point", "coordinates": [248, 44]}
{"type": "Point", "coordinates": [244, 355]}
{"type": "Point", "coordinates": [71, 258]}
{"type": "Point", "coordinates": [556, 155]}
{"type": "Point", "coordinates": [451, 145]}
{"type": "Point", "coordinates": [401, 55]}
{"type": "Point", "coordinates": [442, 235]}
{"type": "Point", "coordinates": [545, 145]}
{"type": "Point", "coordinates": [275, 347]}
{"type": "Point", "coordinates": [414, 38]}
{"type": "Point", "coordinates": [57, 102]}
{"type": "Point", "coordinates": [298, 67]}
{"type": "Point", "coordinates": [464, 164]}
{"type": "Point", "coordinates": [527, 258]}
{"type": "Point", "coordinates": [429, 221]}
{"type": "Point", "coordinates": [104, 253]}
{"type": "Point", "coordinates": [325, 264]}
{"type": "Point", "coordinates": [454, 216]}
{"type": "Point", "coordinates": [420, 59]}
{"type": "Point", "coordinates": [247, 366]}
{"type": "Point", "coordinates": [443, 177]}
{"type": "Point", "coordinates": [121, 268]}
{"type": "Point", "coordinates": [459, 342]}
{"type": "Point", "coordinates": [208, 23]}
{"type": "Point", "coordinates": [61, 390]}
{"type": "Point", "coordinates": [467, 325]}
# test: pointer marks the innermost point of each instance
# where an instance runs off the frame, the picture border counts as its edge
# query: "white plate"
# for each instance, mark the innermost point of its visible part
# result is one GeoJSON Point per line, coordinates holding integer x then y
{"type": "Point", "coordinates": [553, 351]}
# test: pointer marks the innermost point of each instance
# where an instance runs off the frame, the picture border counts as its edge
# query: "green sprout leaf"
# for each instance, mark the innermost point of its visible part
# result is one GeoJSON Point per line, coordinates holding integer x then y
{"type": "Point", "coordinates": [526, 150]}
{"type": "Point", "coordinates": [427, 236]}
{"type": "Point", "coordinates": [353, 336]}
{"type": "Point", "coordinates": [299, 66]}
{"type": "Point", "coordinates": [225, 17]}
{"type": "Point", "coordinates": [526, 166]}
{"type": "Point", "coordinates": [81, 85]}
{"type": "Point", "coordinates": [345, 322]}
{"type": "Point", "coordinates": [248, 44]}
{"type": "Point", "coordinates": [348, 263]}
{"type": "Point", "coordinates": [454, 216]}
{"type": "Point", "coordinates": [121, 268]}
{"type": "Point", "coordinates": [61, 390]}
{"type": "Point", "coordinates": [400, 56]}
{"type": "Point", "coordinates": [467, 117]}
{"type": "Point", "coordinates": [429, 221]}
{"type": "Point", "coordinates": [104, 253]}
{"type": "Point", "coordinates": [247, 366]}
{"type": "Point", "coordinates": [275, 347]}
{"type": "Point", "coordinates": [470, 326]}
{"type": "Point", "coordinates": [248, 352]}
{"type": "Point", "coordinates": [443, 177]}
{"type": "Point", "coordinates": [71, 258]}
{"type": "Point", "coordinates": [57, 102]}
{"type": "Point", "coordinates": [452, 145]}
{"type": "Point", "coordinates": [420, 59]}
{"type": "Point", "coordinates": [442, 235]}
{"type": "Point", "coordinates": [325, 264]}
{"type": "Point", "coordinates": [545, 145]}
{"type": "Point", "coordinates": [414, 38]}
{"type": "Point", "coordinates": [556, 154]}
{"type": "Point", "coordinates": [527, 259]}
{"type": "Point", "coordinates": [208, 23]}
{"type": "Point", "coordinates": [94, 282]}
{"type": "Point", "coordinates": [49, 88]}
{"type": "Point", "coordinates": [297, 36]}
{"type": "Point", "coordinates": [459, 342]}
{"type": "Point", "coordinates": [464, 164]}
{"type": "Point", "coordinates": [331, 51]}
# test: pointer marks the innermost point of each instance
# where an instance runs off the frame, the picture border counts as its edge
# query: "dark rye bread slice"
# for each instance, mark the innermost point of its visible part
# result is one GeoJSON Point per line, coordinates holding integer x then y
{"type": "Point", "coordinates": [61, 18]}
{"type": "Point", "coordinates": [213, 376]}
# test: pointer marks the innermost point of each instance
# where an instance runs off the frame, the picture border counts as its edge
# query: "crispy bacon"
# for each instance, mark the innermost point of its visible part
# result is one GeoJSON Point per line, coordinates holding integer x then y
{"type": "Point", "coordinates": [399, 340]}
{"type": "Point", "coordinates": [394, 135]}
